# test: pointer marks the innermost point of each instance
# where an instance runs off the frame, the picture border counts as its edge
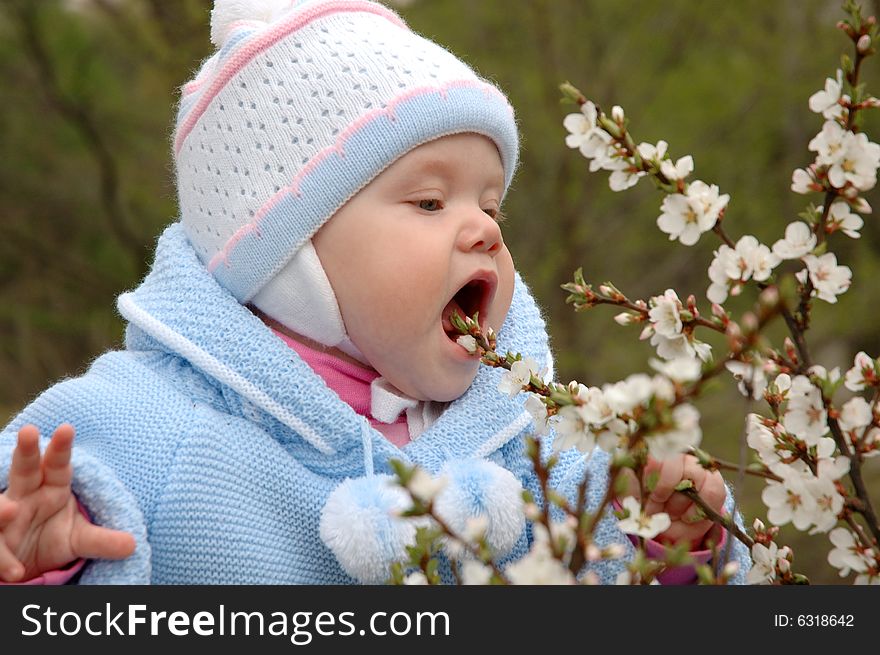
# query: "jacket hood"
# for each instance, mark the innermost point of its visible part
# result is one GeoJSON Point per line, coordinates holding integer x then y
{"type": "Point", "coordinates": [179, 308]}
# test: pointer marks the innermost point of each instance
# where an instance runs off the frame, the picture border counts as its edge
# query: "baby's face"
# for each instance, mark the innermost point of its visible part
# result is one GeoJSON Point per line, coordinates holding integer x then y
{"type": "Point", "coordinates": [418, 242]}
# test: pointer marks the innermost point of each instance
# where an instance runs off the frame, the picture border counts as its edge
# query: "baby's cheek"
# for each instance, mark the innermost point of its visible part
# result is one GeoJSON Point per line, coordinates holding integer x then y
{"type": "Point", "coordinates": [504, 294]}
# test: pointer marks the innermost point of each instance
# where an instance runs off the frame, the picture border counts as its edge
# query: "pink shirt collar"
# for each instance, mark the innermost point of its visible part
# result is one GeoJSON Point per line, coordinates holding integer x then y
{"type": "Point", "coordinates": [352, 383]}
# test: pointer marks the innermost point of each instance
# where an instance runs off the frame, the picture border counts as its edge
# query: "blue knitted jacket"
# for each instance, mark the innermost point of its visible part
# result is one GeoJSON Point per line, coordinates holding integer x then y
{"type": "Point", "coordinates": [217, 446]}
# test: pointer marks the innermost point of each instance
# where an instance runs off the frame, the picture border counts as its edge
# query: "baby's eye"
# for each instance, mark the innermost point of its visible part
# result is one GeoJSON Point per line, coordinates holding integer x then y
{"type": "Point", "coordinates": [431, 205]}
{"type": "Point", "coordinates": [496, 215]}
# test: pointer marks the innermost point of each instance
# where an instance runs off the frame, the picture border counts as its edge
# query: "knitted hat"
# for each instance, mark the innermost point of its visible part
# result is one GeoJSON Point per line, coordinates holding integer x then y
{"type": "Point", "coordinates": [303, 104]}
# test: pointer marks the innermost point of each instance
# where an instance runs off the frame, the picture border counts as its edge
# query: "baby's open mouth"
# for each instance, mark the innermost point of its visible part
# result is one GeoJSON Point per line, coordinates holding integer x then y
{"type": "Point", "coordinates": [473, 297]}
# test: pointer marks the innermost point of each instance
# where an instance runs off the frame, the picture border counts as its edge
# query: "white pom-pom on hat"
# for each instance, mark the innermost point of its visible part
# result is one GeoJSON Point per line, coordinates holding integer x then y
{"type": "Point", "coordinates": [227, 12]}
{"type": "Point", "coordinates": [360, 525]}
{"type": "Point", "coordinates": [478, 488]}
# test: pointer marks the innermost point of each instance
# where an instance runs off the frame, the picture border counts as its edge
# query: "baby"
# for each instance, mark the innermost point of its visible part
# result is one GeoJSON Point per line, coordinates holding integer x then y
{"type": "Point", "coordinates": [340, 181]}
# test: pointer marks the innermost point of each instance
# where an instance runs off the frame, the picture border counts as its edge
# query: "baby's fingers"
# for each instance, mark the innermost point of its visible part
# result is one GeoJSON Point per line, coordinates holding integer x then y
{"type": "Point", "coordinates": [25, 475]}
{"type": "Point", "coordinates": [56, 460]}
{"type": "Point", "coordinates": [8, 511]}
{"type": "Point", "coordinates": [94, 542]}
{"type": "Point", "coordinates": [11, 569]}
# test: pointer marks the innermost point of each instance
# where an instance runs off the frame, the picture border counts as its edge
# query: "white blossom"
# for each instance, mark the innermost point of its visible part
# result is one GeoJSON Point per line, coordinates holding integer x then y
{"type": "Point", "coordinates": [829, 144]}
{"type": "Point", "coordinates": [862, 373]}
{"type": "Point", "coordinates": [805, 415]}
{"type": "Point", "coordinates": [762, 440]}
{"type": "Point", "coordinates": [841, 218]}
{"type": "Point", "coordinates": [685, 369]}
{"type": "Point", "coordinates": [799, 240]}
{"type": "Point", "coordinates": [686, 216]}
{"type": "Point", "coordinates": [622, 397]}
{"type": "Point", "coordinates": [871, 440]}
{"type": "Point", "coordinates": [855, 414]}
{"type": "Point", "coordinates": [576, 422]}
{"type": "Point", "coordinates": [826, 102]}
{"type": "Point", "coordinates": [869, 577]}
{"type": "Point", "coordinates": [685, 434]}
{"type": "Point", "coordinates": [639, 523]}
{"type": "Point", "coordinates": [573, 430]}
{"type": "Point", "coordinates": [615, 435]}
{"type": "Point", "coordinates": [724, 261]}
{"type": "Point", "coordinates": [761, 260]}
{"type": "Point", "coordinates": [832, 468]}
{"type": "Point", "coordinates": [678, 171]}
{"type": "Point", "coordinates": [681, 347]}
{"type": "Point", "coordinates": [847, 554]}
{"type": "Point", "coordinates": [519, 376]}
{"type": "Point", "coordinates": [858, 204]}
{"type": "Point", "coordinates": [538, 411]}
{"type": "Point", "coordinates": [663, 389]}
{"type": "Point", "coordinates": [424, 486]}
{"type": "Point", "coordinates": [415, 578]}
{"type": "Point", "coordinates": [763, 569]}
{"type": "Point", "coordinates": [474, 572]}
{"type": "Point", "coordinates": [789, 500]}
{"type": "Point", "coordinates": [595, 408]}
{"type": "Point", "coordinates": [467, 342]}
{"type": "Point", "coordinates": [829, 279]}
{"type": "Point", "coordinates": [624, 172]}
{"type": "Point", "coordinates": [750, 377]}
{"type": "Point", "coordinates": [584, 131]}
{"type": "Point", "coordinates": [650, 152]}
{"type": "Point", "coordinates": [749, 259]}
{"type": "Point", "coordinates": [801, 181]}
{"type": "Point", "coordinates": [664, 314]}
{"type": "Point", "coordinates": [831, 377]}
{"type": "Point", "coordinates": [858, 165]}
{"type": "Point", "coordinates": [539, 567]}
{"type": "Point", "coordinates": [850, 158]}
{"type": "Point", "coordinates": [782, 384]}
{"type": "Point", "coordinates": [828, 501]}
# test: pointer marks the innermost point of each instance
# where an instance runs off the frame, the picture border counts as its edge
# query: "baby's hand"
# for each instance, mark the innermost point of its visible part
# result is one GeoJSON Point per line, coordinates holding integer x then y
{"type": "Point", "coordinates": [41, 527]}
{"type": "Point", "coordinates": [682, 511]}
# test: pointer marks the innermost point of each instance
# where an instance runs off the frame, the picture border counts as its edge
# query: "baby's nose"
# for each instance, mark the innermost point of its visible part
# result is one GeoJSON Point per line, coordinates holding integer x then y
{"type": "Point", "coordinates": [481, 232]}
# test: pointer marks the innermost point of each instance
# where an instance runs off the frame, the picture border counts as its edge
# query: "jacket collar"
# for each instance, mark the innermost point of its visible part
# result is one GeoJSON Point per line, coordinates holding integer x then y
{"type": "Point", "coordinates": [180, 308]}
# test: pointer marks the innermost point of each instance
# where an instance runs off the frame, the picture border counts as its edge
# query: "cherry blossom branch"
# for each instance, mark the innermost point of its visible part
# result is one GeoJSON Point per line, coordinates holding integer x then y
{"type": "Point", "coordinates": [723, 521]}
{"type": "Point", "coordinates": [855, 474]}
{"type": "Point", "coordinates": [712, 463]}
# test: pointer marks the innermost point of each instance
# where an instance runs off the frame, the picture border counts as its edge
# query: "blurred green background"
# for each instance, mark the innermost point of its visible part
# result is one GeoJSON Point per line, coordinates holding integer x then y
{"type": "Point", "coordinates": [88, 92]}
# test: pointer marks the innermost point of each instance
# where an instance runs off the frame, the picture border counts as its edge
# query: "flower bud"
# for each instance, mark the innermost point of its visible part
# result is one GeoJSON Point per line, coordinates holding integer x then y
{"type": "Point", "coordinates": [617, 114]}
{"type": "Point", "coordinates": [532, 511]}
{"type": "Point", "coordinates": [467, 342]}
{"type": "Point", "coordinates": [863, 44]}
{"type": "Point", "coordinates": [750, 321]}
{"type": "Point", "coordinates": [850, 192]}
{"type": "Point", "coordinates": [784, 553]}
{"type": "Point", "coordinates": [769, 297]}
{"type": "Point", "coordinates": [624, 318]}
{"type": "Point", "coordinates": [614, 551]}
{"type": "Point", "coordinates": [758, 525]}
{"type": "Point", "coordinates": [783, 565]}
